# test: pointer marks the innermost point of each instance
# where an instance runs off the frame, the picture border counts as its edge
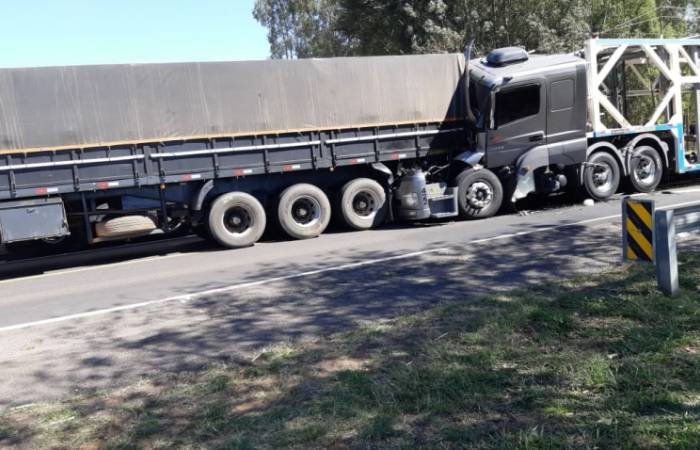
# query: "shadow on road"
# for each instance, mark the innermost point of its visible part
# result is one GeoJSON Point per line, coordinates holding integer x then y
{"type": "Point", "coordinates": [391, 385]}
{"type": "Point", "coordinates": [91, 353]}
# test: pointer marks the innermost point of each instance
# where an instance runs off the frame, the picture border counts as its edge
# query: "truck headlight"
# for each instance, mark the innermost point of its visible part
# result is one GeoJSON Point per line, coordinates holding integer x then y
{"type": "Point", "coordinates": [410, 200]}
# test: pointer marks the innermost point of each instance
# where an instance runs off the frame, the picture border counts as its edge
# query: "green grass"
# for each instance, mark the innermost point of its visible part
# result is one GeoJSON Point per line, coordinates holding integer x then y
{"type": "Point", "coordinates": [595, 363]}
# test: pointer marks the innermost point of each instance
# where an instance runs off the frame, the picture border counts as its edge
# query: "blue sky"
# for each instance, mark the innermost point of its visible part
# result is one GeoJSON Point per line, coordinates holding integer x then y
{"type": "Point", "coordinates": [67, 32]}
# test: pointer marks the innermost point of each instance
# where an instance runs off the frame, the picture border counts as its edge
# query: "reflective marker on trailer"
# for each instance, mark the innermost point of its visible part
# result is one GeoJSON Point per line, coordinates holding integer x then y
{"type": "Point", "coordinates": [241, 172]}
{"type": "Point", "coordinates": [398, 155]}
{"type": "Point", "coordinates": [358, 161]}
{"type": "Point", "coordinates": [190, 177]}
{"type": "Point", "coordinates": [107, 184]}
{"type": "Point", "coordinates": [291, 167]}
{"type": "Point", "coordinates": [44, 191]}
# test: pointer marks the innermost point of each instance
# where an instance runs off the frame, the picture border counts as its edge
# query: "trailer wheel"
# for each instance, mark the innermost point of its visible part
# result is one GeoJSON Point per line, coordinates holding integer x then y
{"type": "Point", "coordinates": [480, 193]}
{"type": "Point", "coordinates": [363, 204]}
{"type": "Point", "coordinates": [601, 176]}
{"type": "Point", "coordinates": [646, 169]}
{"type": "Point", "coordinates": [303, 211]}
{"type": "Point", "coordinates": [236, 220]}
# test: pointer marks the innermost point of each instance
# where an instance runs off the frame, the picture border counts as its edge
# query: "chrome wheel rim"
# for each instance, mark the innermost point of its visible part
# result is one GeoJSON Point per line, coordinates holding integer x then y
{"type": "Point", "coordinates": [602, 175]}
{"type": "Point", "coordinates": [645, 171]}
{"type": "Point", "coordinates": [479, 195]}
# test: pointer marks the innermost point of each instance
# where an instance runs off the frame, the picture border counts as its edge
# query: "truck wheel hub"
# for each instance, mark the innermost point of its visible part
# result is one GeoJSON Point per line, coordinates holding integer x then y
{"type": "Point", "coordinates": [601, 175]}
{"type": "Point", "coordinates": [646, 170]}
{"type": "Point", "coordinates": [238, 220]}
{"type": "Point", "coordinates": [479, 195]}
{"type": "Point", "coordinates": [306, 211]}
{"type": "Point", "coordinates": [363, 204]}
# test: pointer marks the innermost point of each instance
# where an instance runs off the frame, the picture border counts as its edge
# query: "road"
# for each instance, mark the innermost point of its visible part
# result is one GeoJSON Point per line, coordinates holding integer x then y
{"type": "Point", "coordinates": [107, 318]}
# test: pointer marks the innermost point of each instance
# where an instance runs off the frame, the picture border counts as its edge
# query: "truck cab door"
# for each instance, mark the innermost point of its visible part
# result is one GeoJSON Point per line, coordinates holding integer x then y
{"type": "Point", "coordinates": [519, 122]}
{"type": "Point", "coordinates": [566, 117]}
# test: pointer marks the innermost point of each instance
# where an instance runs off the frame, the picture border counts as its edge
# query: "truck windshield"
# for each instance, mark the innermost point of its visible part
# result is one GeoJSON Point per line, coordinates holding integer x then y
{"type": "Point", "coordinates": [478, 102]}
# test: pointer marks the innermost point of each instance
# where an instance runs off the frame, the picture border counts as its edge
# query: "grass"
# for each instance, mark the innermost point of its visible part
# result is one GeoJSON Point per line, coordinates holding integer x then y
{"type": "Point", "coordinates": [604, 363]}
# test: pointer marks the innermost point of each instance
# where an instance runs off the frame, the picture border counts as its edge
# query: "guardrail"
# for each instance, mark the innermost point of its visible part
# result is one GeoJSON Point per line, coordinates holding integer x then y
{"type": "Point", "coordinates": [668, 224]}
{"type": "Point", "coordinates": [650, 236]}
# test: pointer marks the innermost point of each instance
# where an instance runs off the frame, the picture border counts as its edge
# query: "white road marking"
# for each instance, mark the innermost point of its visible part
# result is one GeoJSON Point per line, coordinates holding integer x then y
{"type": "Point", "coordinates": [679, 205]}
{"type": "Point", "coordinates": [541, 230]}
{"type": "Point", "coordinates": [679, 191]}
{"type": "Point", "coordinates": [226, 289]}
{"type": "Point", "coordinates": [189, 297]}
{"type": "Point", "coordinates": [663, 192]}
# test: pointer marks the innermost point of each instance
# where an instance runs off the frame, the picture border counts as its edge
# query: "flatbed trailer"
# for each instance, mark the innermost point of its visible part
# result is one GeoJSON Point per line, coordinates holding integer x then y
{"type": "Point", "coordinates": [165, 176]}
{"type": "Point", "coordinates": [78, 159]}
{"type": "Point", "coordinates": [227, 150]}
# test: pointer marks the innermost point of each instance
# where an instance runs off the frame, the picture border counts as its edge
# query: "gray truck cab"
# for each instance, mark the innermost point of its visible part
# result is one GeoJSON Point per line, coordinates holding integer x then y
{"type": "Point", "coordinates": [529, 116]}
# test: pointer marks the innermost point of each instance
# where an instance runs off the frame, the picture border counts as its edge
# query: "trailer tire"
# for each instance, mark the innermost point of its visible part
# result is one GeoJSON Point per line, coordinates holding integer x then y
{"type": "Point", "coordinates": [480, 193]}
{"type": "Point", "coordinates": [646, 169]}
{"type": "Point", "coordinates": [303, 211]}
{"type": "Point", "coordinates": [363, 204]}
{"type": "Point", "coordinates": [125, 226]}
{"type": "Point", "coordinates": [236, 220]}
{"type": "Point", "coordinates": [601, 176]}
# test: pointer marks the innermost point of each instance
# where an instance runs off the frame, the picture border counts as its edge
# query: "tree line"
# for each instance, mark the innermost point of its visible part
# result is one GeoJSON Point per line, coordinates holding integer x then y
{"type": "Point", "coordinates": [324, 28]}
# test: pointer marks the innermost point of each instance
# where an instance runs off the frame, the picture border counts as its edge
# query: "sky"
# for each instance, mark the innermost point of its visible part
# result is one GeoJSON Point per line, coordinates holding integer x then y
{"type": "Point", "coordinates": [70, 32]}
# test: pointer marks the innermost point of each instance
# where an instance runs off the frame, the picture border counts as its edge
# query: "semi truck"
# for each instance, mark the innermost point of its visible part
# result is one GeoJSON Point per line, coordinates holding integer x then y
{"type": "Point", "coordinates": [229, 149]}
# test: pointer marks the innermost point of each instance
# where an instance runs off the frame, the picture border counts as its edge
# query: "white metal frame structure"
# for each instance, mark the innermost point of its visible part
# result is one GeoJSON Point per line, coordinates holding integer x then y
{"type": "Point", "coordinates": [678, 64]}
{"type": "Point", "coordinates": [678, 53]}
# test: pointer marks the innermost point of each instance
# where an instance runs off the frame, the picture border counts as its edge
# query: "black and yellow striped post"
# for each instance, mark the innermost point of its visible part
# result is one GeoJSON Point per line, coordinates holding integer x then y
{"type": "Point", "coordinates": [638, 230]}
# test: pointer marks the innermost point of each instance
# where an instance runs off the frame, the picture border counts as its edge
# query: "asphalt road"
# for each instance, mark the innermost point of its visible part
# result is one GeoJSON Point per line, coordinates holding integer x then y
{"type": "Point", "coordinates": [106, 318]}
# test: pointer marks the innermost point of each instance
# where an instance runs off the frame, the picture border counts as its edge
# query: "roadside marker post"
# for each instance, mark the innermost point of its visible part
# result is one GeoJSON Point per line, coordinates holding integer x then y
{"type": "Point", "coordinates": [638, 230]}
{"type": "Point", "coordinates": [665, 243]}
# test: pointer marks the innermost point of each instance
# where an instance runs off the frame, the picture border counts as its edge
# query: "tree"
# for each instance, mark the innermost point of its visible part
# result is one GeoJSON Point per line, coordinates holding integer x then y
{"type": "Point", "coordinates": [420, 26]}
{"type": "Point", "coordinates": [300, 28]}
{"type": "Point", "coordinates": [643, 18]}
{"type": "Point", "coordinates": [376, 27]}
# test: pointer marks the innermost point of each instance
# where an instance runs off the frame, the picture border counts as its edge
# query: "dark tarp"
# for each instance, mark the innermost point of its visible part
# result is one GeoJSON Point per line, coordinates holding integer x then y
{"type": "Point", "coordinates": [54, 107]}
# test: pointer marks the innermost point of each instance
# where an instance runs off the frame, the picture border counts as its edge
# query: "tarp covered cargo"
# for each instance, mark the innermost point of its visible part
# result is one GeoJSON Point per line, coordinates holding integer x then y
{"type": "Point", "coordinates": [80, 106]}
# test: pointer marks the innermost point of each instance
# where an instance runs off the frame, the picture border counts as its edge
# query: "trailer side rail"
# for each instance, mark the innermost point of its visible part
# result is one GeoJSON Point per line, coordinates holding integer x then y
{"type": "Point", "coordinates": [35, 174]}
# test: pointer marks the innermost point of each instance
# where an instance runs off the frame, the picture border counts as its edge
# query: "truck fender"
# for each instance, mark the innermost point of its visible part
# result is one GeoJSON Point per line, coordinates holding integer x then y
{"type": "Point", "coordinates": [525, 171]}
{"type": "Point", "coordinates": [643, 137]}
{"type": "Point", "coordinates": [380, 167]}
{"type": "Point", "coordinates": [201, 195]}
{"type": "Point", "coordinates": [605, 146]}
{"type": "Point", "coordinates": [471, 158]}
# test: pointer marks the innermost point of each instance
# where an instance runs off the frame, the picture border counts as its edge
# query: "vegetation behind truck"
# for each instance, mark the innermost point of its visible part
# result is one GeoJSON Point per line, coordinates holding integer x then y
{"type": "Point", "coordinates": [229, 149]}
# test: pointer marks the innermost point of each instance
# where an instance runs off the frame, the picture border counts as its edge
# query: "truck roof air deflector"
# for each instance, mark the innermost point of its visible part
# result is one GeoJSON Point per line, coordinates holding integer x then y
{"type": "Point", "coordinates": [508, 55]}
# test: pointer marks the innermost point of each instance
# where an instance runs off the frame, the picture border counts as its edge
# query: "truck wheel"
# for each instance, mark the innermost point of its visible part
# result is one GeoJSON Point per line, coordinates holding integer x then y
{"type": "Point", "coordinates": [601, 176]}
{"type": "Point", "coordinates": [480, 193]}
{"type": "Point", "coordinates": [363, 204]}
{"type": "Point", "coordinates": [646, 169]}
{"type": "Point", "coordinates": [303, 211]}
{"type": "Point", "coordinates": [236, 220]}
